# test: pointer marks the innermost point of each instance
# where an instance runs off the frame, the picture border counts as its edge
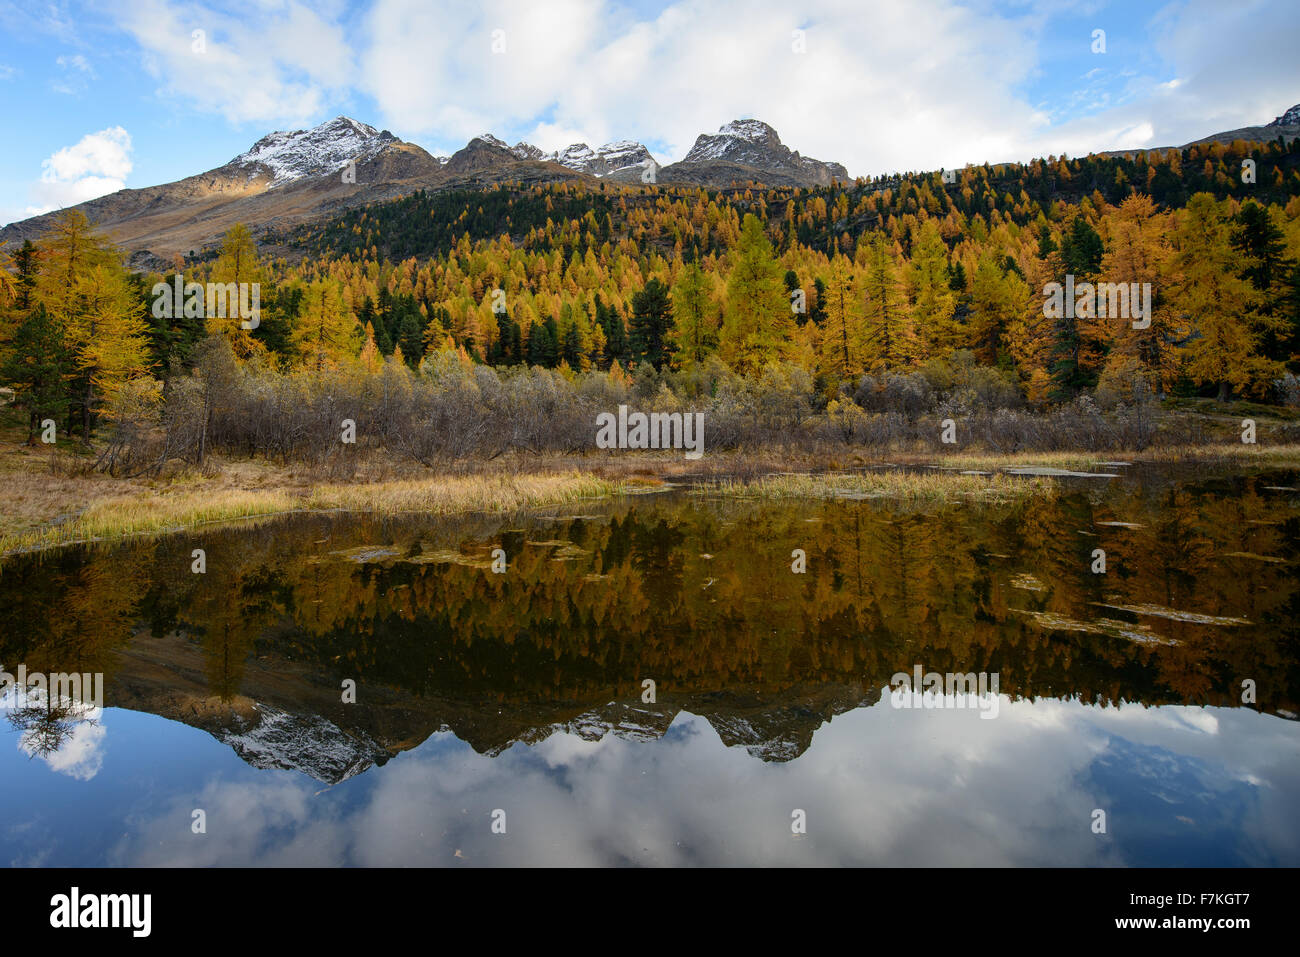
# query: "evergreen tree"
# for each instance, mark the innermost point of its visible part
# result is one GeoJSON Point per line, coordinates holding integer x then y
{"type": "Point", "coordinates": [1262, 246]}
{"type": "Point", "coordinates": [817, 311]}
{"type": "Point", "coordinates": [411, 339]}
{"type": "Point", "coordinates": [616, 345]}
{"type": "Point", "coordinates": [1081, 250]}
{"type": "Point", "coordinates": [651, 324]}
{"type": "Point", "coordinates": [36, 368]}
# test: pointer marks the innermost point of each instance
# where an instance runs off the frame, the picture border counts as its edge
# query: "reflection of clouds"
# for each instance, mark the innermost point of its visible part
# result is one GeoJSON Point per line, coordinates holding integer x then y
{"type": "Point", "coordinates": [80, 754]}
{"type": "Point", "coordinates": [67, 734]}
{"type": "Point", "coordinates": [880, 786]}
{"type": "Point", "coordinates": [271, 819]}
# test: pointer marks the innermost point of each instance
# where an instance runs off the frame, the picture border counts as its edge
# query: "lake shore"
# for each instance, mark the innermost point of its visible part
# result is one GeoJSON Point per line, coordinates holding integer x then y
{"type": "Point", "coordinates": [52, 501]}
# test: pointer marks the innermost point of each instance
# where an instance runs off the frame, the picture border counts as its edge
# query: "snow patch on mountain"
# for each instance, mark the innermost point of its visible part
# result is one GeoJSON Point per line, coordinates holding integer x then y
{"type": "Point", "coordinates": [1290, 118]}
{"type": "Point", "coordinates": [303, 742]}
{"type": "Point", "coordinates": [328, 148]}
{"type": "Point", "coordinates": [609, 159]}
{"type": "Point", "coordinates": [750, 142]}
{"type": "Point", "coordinates": [489, 138]}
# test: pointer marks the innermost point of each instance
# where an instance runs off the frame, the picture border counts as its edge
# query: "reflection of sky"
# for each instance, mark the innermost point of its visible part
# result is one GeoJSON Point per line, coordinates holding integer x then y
{"type": "Point", "coordinates": [80, 753]}
{"type": "Point", "coordinates": [1179, 785]}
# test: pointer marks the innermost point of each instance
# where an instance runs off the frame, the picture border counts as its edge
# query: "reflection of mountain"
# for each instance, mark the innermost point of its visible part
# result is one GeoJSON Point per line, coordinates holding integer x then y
{"type": "Point", "coordinates": [695, 594]}
{"type": "Point", "coordinates": [288, 718]}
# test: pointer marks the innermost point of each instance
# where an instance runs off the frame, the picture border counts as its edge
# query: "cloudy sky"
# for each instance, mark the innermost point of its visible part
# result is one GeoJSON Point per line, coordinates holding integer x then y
{"type": "Point", "coordinates": [97, 96]}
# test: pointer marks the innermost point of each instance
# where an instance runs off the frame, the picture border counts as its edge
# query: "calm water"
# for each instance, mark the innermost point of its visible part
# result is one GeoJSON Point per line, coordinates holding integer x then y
{"type": "Point", "coordinates": [518, 698]}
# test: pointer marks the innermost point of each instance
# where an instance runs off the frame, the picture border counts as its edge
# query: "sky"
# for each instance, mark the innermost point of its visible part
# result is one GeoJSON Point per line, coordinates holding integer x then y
{"type": "Point", "coordinates": [98, 96]}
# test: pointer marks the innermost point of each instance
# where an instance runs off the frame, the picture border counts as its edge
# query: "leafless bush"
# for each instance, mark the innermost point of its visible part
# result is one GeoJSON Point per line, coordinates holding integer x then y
{"type": "Point", "coordinates": [909, 395]}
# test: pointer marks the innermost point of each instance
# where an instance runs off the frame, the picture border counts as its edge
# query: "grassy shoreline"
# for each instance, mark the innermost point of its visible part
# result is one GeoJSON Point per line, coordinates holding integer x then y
{"type": "Point", "coordinates": [43, 509]}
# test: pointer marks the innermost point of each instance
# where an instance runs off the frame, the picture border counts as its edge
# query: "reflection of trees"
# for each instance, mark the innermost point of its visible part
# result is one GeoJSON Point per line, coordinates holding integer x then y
{"type": "Point", "coordinates": [46, 726]}
{"type": "Point", "coordinates": [232, 605]}
{"type": "Point", "coordinates": [638, 595]}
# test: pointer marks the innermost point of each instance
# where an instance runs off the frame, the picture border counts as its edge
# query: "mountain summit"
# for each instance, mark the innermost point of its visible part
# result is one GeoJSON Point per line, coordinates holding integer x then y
{"type": "Point", "coordinates": [1290, 118]}
{"type": "Point", "coordinates": [754, 144]}
{"type": "Point", "coordinates": [328, 148]}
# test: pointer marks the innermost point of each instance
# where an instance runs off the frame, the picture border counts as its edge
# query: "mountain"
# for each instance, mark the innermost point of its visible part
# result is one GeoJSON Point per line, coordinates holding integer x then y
{"type": "Point", "coordinates": [1286, 126]}
{"type": "Point", "coordinates": [290, 178]}
{"type": "Point", "coordinates": [621, 161]}
{"type": "Point", "coordinates": [286, 179]}
{"type": "Point", "coordinates": [328, 148]}
{"type": "Point", "coordinates": [751, 150]}
{"type": "Point", "coordinates": [527, 151]}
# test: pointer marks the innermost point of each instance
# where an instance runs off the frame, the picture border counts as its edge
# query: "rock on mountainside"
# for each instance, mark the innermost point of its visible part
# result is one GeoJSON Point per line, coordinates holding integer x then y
{"type": "Point", "coordinates": [754, 145]}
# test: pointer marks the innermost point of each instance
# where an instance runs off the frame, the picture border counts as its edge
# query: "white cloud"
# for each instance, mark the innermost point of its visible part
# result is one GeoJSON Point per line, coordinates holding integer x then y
{"type": "Point", "coordinates": [76, 71]}
{"type": "Point", "coordinates": [874, 92]}
{"type": "Point", "coordinates": [97, 164]}
{"type": "Point", "coordinates": [76, 62]}
{"type": "Point", "coordinates": [252, 62]}
{"type": "Point", "coordinates": [913, 84]}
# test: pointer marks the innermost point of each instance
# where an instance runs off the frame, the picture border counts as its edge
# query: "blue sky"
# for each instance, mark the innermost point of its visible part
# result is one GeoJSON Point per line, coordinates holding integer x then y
{"type": "Point", "coordinates": [97, 96]}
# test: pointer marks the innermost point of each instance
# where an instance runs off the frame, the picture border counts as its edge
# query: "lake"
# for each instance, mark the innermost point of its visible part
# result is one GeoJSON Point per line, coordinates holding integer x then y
{"type": "Point", "coordinates": [650, 681]}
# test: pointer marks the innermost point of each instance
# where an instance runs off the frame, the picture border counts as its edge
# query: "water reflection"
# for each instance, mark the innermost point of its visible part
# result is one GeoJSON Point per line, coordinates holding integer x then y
{"type": "Point", "coordinates": [523, 691]}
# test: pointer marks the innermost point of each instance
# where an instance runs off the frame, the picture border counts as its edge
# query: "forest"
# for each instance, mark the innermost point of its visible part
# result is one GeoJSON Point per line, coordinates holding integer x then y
{"type": "Point", "coordinates": [468, 323]}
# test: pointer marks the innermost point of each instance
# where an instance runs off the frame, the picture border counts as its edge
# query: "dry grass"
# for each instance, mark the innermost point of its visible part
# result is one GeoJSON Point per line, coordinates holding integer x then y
{"type": "Point", "coordinates": [145, 511]}
{"type": "Point", "coordinates": [1236, 454]}
{"type": "Point", "coordinates": [488, 493]}
{"type": "Point", "coordinates": [899, 486]}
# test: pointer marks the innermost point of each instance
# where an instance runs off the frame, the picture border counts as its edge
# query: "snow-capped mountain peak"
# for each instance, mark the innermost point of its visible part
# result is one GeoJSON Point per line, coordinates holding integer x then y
{"type": "Point", "coordinates": [621, 157]}
{"type": "Point", "coordinates": [736, 141]}
{"type": "Point", "coordinates": [753, 143]}
{"type": "Point", "coordinates": [753, 130]}
{"type": "Point", "coordinates": [290, 155]}
{"type": "Point", "coordinates": [1290, 118]}
{"type": "Point", "coordinates": [489, 138]}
